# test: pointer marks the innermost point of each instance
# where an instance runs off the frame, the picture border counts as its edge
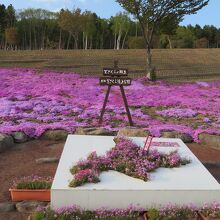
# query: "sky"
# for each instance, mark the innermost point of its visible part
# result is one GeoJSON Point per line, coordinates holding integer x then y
{"type": "Point", "coordinates": [209, 15]}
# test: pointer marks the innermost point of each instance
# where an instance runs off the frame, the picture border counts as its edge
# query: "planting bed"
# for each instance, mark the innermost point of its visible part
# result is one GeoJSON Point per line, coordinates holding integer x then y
{"type": "Point", "coordinates": [191, 183]}
{"type": "Point", "coordinates": [33, 101]}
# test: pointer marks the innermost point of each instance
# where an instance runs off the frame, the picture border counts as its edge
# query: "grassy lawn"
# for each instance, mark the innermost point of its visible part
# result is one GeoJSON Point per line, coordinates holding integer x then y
{"type": "Point", "coordinates": [171, 65]}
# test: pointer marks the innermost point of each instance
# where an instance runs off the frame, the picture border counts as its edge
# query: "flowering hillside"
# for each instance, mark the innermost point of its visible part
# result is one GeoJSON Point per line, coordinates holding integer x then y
{"type": "Point", "coordinates": [33, 102]}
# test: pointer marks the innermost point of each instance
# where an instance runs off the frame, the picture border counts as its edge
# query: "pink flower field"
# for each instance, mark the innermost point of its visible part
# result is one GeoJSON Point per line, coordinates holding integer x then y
{"type": "Point", "coordinates": [34, 102]}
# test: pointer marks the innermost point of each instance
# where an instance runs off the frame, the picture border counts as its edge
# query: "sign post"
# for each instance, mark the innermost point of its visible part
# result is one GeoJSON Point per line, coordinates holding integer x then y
{"type": "Point", "coordinates": [113, 77]}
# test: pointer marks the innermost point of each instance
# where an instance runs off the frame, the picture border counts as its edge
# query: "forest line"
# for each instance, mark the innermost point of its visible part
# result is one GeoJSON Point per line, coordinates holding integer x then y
{"type": "Point", "coordinates": [38, 29]}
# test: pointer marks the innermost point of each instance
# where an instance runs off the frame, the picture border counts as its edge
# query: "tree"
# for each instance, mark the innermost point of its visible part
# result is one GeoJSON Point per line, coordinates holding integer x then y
{"type": "Point", "coordinates": [185, 37]}
{"type": "Point", "coordinates": [168, 27]}
{"type": "Point", "coordinates": [7, 21]}
{"type": "Point", "coordinates": [197, 31]}
{"type": "Point", "coordinates": [210, 33]}
{"type": "Point", "coordinates": [201, 43]}
{"type": "Point", "coordinates": [71, 21]}
{"type": "Point", "coordinates": [89, 28]}
{"type": "Point", "coordinates": [103, 32]}
{"type": "Point", "coordinates": [11, 36]}
{"type": "Point", "coordinates": [217, 38]}
{"type": "Point", "coordinates": [3, 24]}
{"type": "Point", "coordinates": [136, 42]}
{"type": "Point", "coordinates": [151, 13]}
{"type": "Point", "coordinates": [11, 18]}
{"type": "Point", "coordinates": [120, 27]}
{"type": "Point", "coordinates": [35, 27]}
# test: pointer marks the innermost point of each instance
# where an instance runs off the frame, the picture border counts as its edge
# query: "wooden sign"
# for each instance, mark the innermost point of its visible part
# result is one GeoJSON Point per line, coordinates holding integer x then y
{"type": "Point", "coordinates": [115, 77]}
{"type": "Point", "coordinates": [115, 72]}
{"type": "Point", "coordinates": [115, 81]}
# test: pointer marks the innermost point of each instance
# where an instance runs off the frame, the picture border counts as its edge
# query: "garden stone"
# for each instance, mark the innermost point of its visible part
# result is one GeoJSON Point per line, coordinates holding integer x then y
{"type": "Point", "coordinates": [186, 138]}
{"type": "Point", "coordinates": [47, 160]}
{"type": "Point", "coordinates": [55, 135]}
{"type": "Point", "coordinates": [30, 206]}
{"type": "Point", "coordinates": [210, 139]}
{"type": "Point", "coordinates": [6, 142]}
{"type": "Point", "coordinates": [7, 207]}
{"type": "Point", "coordinates": [19, 137]}
{"type": "Point", "coordinates": [94, 131]}
{"type": "Point", "coordinates": [133, 132]}
{"type": "Point", "coordinates": [212, 164]}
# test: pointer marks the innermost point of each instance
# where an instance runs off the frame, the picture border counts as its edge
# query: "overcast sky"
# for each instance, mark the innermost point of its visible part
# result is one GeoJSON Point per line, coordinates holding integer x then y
{"type": "Point", "coordinates": [106, 8]}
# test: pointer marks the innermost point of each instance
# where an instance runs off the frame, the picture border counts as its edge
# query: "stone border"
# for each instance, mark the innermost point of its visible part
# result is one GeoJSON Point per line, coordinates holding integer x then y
{"type": "Point", "coordinates": [8, 141]}
{"type": "Point", "coordinates": [26, 207]}
{"type": "Point", "coordinates": [212, 164]}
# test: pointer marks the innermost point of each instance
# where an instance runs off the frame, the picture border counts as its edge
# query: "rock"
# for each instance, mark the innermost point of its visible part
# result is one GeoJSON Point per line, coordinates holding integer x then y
{"type": "Point", "coordinates": [94, 131]}
{"type": "Point", "coordinates": [30, 206]}
{"type": "Point", "coordinates": [7, 207]}
{"type": "Point", "coordinates": [211, 164]}
{"type": "Point", "coordinates": [6, 142]}
{"type": "Point", "coordinates": [56, 135]}
{"type": "Point", "coordinates": [186, 138]}
{"type": "Point", "coordinates": [133, 132]}
{"type": "Point", "coordinates": [47, 160]}
{"type": "Point", "coordinates": [210, 139]}
{"type": "Point", "coordinates": [19, 137]}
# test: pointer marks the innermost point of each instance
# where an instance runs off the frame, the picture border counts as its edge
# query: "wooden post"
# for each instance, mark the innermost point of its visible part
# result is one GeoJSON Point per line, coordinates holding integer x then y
{"type": "Point", "coordinates": [124, 98]}
{"type": "Point", "coordinates": [126, 106]}
{"type": "Point", "coordinates": [116, 64]}
{"type": "Point", "coordinates": [104, 105]}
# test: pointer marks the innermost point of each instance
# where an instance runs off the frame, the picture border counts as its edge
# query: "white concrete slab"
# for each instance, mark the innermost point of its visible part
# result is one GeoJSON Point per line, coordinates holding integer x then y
{"type": "Point", "coordinates": [188, 184]}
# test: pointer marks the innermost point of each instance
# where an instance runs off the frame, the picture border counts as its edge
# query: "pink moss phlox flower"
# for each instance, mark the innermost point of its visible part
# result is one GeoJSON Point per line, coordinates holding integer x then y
{"type": "Point", "coordinates": [178, 113]}
{"type": "Point", "coordinates": [34, 102]}
{"type": "Point", "coordinates": [126, 157]}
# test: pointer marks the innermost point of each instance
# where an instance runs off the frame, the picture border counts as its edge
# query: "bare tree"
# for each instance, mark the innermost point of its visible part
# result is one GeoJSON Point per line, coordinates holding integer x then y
{"type": "Point", "coordinates": [151, 13]}
{"type": "Point", "coordinates": [11, 36]}
{"type": "Point", "coordinates": [71, 21]}
{"type": "Point", "coordinates": [89, 28]}
{"type": "Point", "coordinates": [120, 27]}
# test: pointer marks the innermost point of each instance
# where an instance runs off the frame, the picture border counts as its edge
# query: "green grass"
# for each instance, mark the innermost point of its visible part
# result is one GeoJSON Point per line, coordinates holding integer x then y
{"type": "Point", "coordinates": [171, 65]}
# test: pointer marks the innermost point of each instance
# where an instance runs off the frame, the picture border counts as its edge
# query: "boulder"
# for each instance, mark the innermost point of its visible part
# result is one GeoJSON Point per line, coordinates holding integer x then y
{"type": "Point", "coordinates": [47, 160]}
{"type": "Point", "coordinates": [94, 131]}
{"type": "Point", "coordinates": [211, 140]}
{"type": "Point", "coordinates": [55, 135]}
{"type": "Point", "coordinates": [6, 142]}
{"type": "Point", "coordinates": [20, 137]}
{"type": "Point", "coordinates": [133, 132]}
{"type": "Point", "coordinates": [186, 138]}
{"type": "Point", "coordinates": [7, 207]}
{"type": "Point", "coordinates": [30, 206]}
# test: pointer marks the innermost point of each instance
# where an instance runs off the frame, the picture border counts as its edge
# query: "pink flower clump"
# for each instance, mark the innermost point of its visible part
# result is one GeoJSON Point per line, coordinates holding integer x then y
{"type": "Point", "coordinates": [85, 176]}
{"type": "Point", "coordinates": [178, 113]}
{"type": "Point", "coordinates": [126, 157]}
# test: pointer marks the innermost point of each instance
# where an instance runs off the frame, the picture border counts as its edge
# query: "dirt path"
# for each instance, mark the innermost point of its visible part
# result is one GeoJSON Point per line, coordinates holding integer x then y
{"type": "Point", "coordinates": [207, 156]}
{"type": "Point", "coordinates": [20, 161]}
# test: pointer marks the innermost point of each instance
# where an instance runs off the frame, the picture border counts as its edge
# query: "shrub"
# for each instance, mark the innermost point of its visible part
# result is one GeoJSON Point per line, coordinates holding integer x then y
{"type": "Point", "coordinates": [32, 182]}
